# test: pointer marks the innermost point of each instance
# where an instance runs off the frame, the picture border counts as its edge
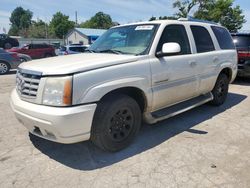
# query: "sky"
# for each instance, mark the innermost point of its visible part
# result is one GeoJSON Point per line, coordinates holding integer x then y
{"type": "Point", "coordinates": [122, 11]}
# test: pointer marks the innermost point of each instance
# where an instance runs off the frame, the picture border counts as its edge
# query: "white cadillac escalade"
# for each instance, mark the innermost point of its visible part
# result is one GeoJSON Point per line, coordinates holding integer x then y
{"type": "Point", "coordinates": [143, 71]}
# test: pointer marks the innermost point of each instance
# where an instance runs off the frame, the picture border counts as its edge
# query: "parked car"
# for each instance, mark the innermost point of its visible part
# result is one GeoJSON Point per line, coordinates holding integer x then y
{"type": "Point", "coordinates": [149, 70]}
{"type": "Point", "coordinates": [8, 60]}
{"type": "Point", "coordinates": [35, 51]}
{"type": "Point", "coordinates": [242, 42]}
{"type": "Point", "coordinates": [7, 42]}
{"type": "Point", "coordinates": [24, 57]}
{"type": "Point", "coordinates": [72, 49]}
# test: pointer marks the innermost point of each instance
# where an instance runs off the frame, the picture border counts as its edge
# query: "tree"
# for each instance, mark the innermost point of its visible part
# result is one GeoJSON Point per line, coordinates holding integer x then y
{"type": "Point", "coordinates": [20, 21]}
{"type": "Point", "coordinates": [38, 29]}
{"type": "Point", "coordinates": [60, 24]}
{"type": "Point", "coordinates": [223, 12]}
{"type": "Point", "coordinates": [163, 18]}
{"type": "Point", "coordinates": [184, 7]}
{"type": "Point", "coordinates": [219, 11]}
{"type": "Point", "coordinates": [152, 18]}
{"type": "Point", "coordinates": [99, 21]}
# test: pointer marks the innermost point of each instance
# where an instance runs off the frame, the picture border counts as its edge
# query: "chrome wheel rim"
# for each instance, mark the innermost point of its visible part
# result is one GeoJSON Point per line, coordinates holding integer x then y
{"type": "Point", "coordinates": [3, 68]}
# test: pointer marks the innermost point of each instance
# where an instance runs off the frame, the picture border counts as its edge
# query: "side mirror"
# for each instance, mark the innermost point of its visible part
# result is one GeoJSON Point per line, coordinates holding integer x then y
{"type": "Point", "coordinates": [170, 48]}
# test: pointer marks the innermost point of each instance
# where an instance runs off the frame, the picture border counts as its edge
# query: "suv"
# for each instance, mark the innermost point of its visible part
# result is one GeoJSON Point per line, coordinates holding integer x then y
{"type": "Point", "coordinates": [8, 60]}
{"type": "Point", "coordinates": [242, 42]}
{"type": "Point", "coordinates": [7, 42]}
{"type": "Point", "coordinates": [143, 71]}
{"type": "Point", "coordinates": [36, 51]}
{"type": "Point", "coordinates": [72, 49]}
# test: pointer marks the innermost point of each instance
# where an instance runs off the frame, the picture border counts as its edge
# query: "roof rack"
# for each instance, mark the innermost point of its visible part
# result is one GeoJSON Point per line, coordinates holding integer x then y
{"type": "Point", "coordinates": [189, 18]}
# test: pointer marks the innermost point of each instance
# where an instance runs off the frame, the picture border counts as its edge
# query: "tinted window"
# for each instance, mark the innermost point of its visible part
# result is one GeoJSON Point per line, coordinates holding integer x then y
{"type": "Point", "coordinates": [175, 33]}
{"type": "Point", "coordinates": [223, 37]}
{"type": "Point", "coordinates": [38, 46]}
{"type": "Point", "coordinates": [242, 41]}
{"type": "Point", "coordinates": [77, 49]}
{"type": "Point", "coordinates": [202, 39]}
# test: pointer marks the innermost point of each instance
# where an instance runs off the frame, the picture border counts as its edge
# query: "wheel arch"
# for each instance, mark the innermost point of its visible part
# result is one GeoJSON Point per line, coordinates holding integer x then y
{"type": "Point", "coordinates": [227, 71]}
{"type": "Point", "coordinates": [137, 94]}
{"type": "Point", "coordinates": [3, 61]}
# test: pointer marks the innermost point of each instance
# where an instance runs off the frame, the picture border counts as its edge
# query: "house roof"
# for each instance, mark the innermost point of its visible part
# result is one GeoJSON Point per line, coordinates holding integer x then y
{"type": "Point", "coordinates": [90, 32]}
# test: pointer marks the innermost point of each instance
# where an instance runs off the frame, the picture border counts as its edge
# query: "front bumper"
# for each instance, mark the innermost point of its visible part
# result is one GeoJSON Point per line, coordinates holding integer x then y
{"type": "Point", "coordinates": [14, 64]}
{"type": "Point", "coordinates": [58, 124]}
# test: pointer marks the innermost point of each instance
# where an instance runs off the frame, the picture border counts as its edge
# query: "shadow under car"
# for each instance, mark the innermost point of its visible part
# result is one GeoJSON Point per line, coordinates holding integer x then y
{"type": "Point", "coordinates": [85, 156]}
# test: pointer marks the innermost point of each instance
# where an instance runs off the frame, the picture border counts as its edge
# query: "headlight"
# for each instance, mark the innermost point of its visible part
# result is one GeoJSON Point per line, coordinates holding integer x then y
{"type": "Point", "coordinates": [58, 91]}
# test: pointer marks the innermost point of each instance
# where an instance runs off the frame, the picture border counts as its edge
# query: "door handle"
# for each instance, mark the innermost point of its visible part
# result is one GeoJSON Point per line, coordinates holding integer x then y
{"type": "Point", "coordinates": [192, 63]}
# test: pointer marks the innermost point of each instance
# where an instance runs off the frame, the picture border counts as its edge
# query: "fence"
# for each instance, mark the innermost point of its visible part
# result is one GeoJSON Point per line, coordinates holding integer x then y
{"type": "Point", "coordinates": [23, 41]}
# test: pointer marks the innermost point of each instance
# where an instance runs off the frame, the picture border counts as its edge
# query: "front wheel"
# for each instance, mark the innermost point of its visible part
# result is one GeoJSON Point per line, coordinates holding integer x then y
{"type": "Point", "coordinates": [4, 68]}
{"type": "Point", "coordinates": [220, 90]}
{"type": "Point", "coordinates": [7, 45]}
{"type": "Point", "coordinates": [116, 122]}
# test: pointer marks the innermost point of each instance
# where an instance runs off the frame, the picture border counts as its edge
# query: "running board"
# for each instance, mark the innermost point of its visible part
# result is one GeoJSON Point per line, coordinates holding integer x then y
{"type": "Point", "coordinates": [181, 107]}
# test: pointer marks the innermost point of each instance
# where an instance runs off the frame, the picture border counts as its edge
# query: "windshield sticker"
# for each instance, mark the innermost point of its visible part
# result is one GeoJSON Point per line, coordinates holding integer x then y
{"type": "Point", "coordinates": [144, 27]}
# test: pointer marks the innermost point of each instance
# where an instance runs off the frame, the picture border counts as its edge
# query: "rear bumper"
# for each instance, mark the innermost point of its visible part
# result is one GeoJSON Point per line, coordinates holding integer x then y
{"type": "Point", "coordinates": [58, 124]}
{"type": "Point", "coordinates": [244, 69]}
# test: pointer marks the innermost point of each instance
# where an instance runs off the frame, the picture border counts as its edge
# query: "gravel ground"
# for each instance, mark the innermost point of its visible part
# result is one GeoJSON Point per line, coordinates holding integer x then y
{"type": "Point", "coordinates": [205, 147]}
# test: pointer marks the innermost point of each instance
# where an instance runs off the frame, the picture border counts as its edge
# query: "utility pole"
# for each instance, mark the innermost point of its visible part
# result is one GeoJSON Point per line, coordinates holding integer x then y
{"type": "Point", "coordinates": [76, 19]}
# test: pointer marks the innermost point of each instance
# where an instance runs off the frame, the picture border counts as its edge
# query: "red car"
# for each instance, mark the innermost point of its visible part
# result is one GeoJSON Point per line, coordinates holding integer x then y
{"type": "Point", "coordinates": [36, 51]}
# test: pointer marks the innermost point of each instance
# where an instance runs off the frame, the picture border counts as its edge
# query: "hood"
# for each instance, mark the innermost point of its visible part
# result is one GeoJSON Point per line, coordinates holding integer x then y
{"type": "Point", "coordinates": [76, 63]}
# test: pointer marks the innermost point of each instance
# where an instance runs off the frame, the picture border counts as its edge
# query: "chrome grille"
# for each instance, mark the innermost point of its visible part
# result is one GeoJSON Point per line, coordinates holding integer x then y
{"type": "Point", "coordinates": [27, 83]}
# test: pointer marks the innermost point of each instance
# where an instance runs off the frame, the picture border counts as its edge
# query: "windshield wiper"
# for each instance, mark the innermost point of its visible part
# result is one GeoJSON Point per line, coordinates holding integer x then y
{"type": "Point", "coordinates": [90, 51]}
{"type": "Point", "coordinates": [112, 51]}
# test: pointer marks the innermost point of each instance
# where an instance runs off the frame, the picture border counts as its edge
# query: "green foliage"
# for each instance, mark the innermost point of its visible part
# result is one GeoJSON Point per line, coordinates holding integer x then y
{"type": "Point", "coordinates": [163, 18]}
{"type": "Point", "coordinates": [60, 24]}
{"type": "Point", "coordinates": [184, 7]}
{"type": "Point", "coordinates": [38, 29]}
{"type": "Point", "coordinates": [220, 11]}
{"type": "Point", "coordinates": [223, 12]}
{"type": "Point", "coordinates": [20, 21]}
{"type": "Point", "coordinates": [99, 21]}
{"type": "Point", "coordinates": [152, 18]}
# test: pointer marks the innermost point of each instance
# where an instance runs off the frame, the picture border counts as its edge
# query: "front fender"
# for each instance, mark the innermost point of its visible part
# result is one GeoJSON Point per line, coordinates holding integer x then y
{"type": "Point", "coordinates": [97, 92]}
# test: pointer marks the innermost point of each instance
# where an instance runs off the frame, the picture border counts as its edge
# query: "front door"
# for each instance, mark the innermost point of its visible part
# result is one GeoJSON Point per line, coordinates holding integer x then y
{"type": "Point", "coordinates": [174, 78]}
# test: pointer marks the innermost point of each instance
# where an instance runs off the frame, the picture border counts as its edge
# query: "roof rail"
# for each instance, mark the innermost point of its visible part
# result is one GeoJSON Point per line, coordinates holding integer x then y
{"type": "Point", "coordinates": [189, 18]}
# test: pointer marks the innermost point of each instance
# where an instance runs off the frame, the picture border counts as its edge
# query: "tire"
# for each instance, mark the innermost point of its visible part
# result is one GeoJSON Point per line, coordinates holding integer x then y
{"type": "Point", "coordinates": [7, 45]}
{"type": "Point", "coordinates": [116, 122]}
{"type": "Point", "coordinates": [4, 68]}
{"type": "Point", "coordinates": [220, 90]}
{"type": "Point", "coordinates": [47, 55]}
{"type": "Point", "coordinates": [23, 59]}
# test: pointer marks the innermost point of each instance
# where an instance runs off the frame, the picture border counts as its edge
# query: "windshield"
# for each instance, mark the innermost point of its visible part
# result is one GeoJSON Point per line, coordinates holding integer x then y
{"type": "Point", "coordinates": [133, 39]}
{"type": "Point", "coordinates": [242, 41]}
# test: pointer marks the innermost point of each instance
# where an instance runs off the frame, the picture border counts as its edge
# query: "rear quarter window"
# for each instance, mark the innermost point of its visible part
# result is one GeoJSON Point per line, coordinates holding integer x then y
{"type": "Point", "coordinates": [202, 39]}
{"type": "Point", "coordinates": [223, 37]}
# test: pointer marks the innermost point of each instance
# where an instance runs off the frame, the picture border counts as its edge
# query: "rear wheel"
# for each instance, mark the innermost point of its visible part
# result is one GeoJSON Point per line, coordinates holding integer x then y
{"type": "Point", "coordinates": [7, 45]}
{"type": "Point", "coordinates": [4, 68]}
{"type": "Point", "coordinates": [220, 90]}
{"type": "Point", "coordinates": [47, 55]}
{"type": "Point", "coordinates": [116, 123]}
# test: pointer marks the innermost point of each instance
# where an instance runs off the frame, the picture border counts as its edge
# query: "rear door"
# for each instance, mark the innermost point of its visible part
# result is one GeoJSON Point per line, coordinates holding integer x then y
{"type": "Point", "coordinates": [205, 57]}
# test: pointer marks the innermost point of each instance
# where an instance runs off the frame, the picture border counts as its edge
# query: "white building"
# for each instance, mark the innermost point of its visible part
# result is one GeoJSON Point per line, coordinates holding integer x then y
{"type": "Point", "coordinates": [83, 35]}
